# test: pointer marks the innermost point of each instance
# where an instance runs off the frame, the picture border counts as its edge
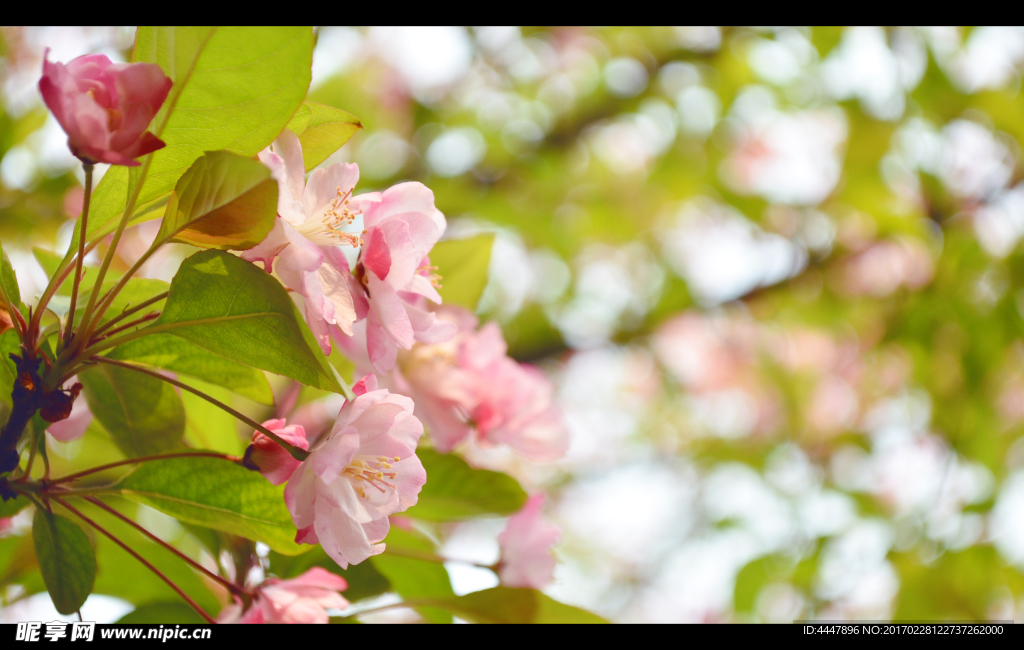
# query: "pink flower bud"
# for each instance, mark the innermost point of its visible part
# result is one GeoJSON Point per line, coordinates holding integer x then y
{"type": "Point", "coordinates": [105, 107]}
{"type": "Point", "coordinates": [274, 461]}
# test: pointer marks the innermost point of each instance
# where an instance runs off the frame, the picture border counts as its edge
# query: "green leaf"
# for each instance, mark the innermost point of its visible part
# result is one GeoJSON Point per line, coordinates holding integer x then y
{"type": "Point", "coordinates": [142, 414]}
{"type": "Point", "coordinates": [363, 579]}
{"type": "Point", "coordinates": [174, 353]}
{"type": "Point", "coordinates": [234, 309]}
{"type": "Point", "coordinates": [9, 344]}
{"type": "Point", "coordinates": [13, 507]}
{"type": "Point", "coordinates": [66, 558]}
{"type": "Point", "coordinates": [217, 494]}
{"type": "Point", "coordinates": [9, 291]}
{"type": "Point", "coordinates": [234, 88]}
{"type": "Point", "coordinates": [463, 266]}
{"type": "Point", "coordinates": [508, 605]}
{"type": "Point", "coordinates": [208, 426]}
{"type": "Point", "coordinates": [454, 490]}
{"type": "Point", "coordinates": [166, 613]}
{"type": "Point", "coordinates": [322, 130]}
{"type": "Point", "coordinates": [223, 201]}
{"type": "Point", "coordinates": [414, 578]}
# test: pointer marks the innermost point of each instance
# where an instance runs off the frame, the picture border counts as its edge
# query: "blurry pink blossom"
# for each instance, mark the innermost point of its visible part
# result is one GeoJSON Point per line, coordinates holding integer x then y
{"type": "Point", "coordinates": [886, 266]}
{"type": "Point", "coordinates": [5, 524]}
{"type": "Point", "coordinates": [105, 107]}
{"type": "Point", "coordinates": [276, 464]}
{"type": "Point", "coordinates": [358, 474]}
{"type": "Point", "coordinates": [304, 599]}
{"type": "Point", "coordinates": [526, 557]}
{"type": "Point", "coordinates": [469, 384]}
{"type": "Point", "coordinates": [401, 226]}
{"type": "Point", "coordinates": [311, 219]}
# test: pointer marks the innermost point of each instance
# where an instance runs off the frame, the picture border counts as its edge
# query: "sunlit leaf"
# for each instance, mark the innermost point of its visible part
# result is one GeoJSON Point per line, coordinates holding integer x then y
{"type": "Point", "coordinates": [463, 266]}
{"type": "Point", "coordinates": [223, 201]}
{"type": "Point", "coordinates": [236, 310]}
{"type": "Point", "coordinates": [322, 130]}
{"type": "Point", "coordinates": [234, 88]}
{"type": "Point", "coordinates": [508, 605]}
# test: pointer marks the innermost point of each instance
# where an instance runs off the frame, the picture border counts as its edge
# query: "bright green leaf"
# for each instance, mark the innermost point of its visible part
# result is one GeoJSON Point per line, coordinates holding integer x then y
{"type": "Point", "coordinates": [463, 266]}
{"type": "Point", "coordinates": [142, 414]}
{"type": "Point", "coordinates": [223, 201]}
{"type": "Point", "coordinates": [236, 310]}
{"type": "Point", "coordinates": [454, 490]}
{"type": "Point", "coordinates": [208, 426]}
{"type": "Point", "coordinates": [66, 558]}
{"type": "Point", "coordinates": [322, 130]}
{"type": "Point", "coordinates": [174, 353]}
{"type": "Point", "coordinates": [234, 88]}
{"type": "Point", "coordinates": [166, 613]}
{"type": "Point", "coordinates": [217, 494]}
{"type": "Point", "coordinates": [134, 292]}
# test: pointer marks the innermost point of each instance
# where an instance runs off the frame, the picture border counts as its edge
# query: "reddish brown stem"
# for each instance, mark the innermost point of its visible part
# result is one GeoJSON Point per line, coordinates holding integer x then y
{"type": "Point", "coordinates": [81, 251]}
{"type": "Point", "coordinates": [129, 312]}
{"type": "Point", "coordinates": [142, 459]}
{"type": "Point", "coordinates": [235, 589]}
{"type": "Point", "coordinates": [138, 557]}
{"type": "Point", "coordinates": [138, 321]}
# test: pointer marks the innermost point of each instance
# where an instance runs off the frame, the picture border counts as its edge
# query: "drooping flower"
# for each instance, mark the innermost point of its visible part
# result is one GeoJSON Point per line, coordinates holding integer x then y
{"type": "Point", "coordinates": [276, 464]}
{"type": "Point", "coordinates": [470, 384]}
{"type": "Point", "coordinates": [304, 599]}
{"type": "Point", "coordinates": [356, 475]}
{"type": "Point", "coordinates": [105, 107]}
{"type": "Point", "coordinates": [526, 557]}
{"type": "Point", "coordinates": [311, 219]}
{"type": "Point", "coordinates": [401, 226]}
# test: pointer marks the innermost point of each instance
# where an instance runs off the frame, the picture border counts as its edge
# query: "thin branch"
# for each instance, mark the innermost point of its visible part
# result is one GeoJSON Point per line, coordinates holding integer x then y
{"type": "Point", "coordinates": [141, 459]}
{"type": "Point", "coordinates": [81, 252]}
{"type": "Point", "coordinates": [109, 257]}
{"type": "Point", "coordinates": [135, 323]}
{"type": "Point", "coordinates": [128, 312]}
{"type": "Point", "coordinates": [296, 452]}
{"type": "Point", "coordinates": [62, 273]}
{"type": "Point", "coordinates": [235, 589]}
{"type": "Point", "coordinates": [138, 557]}
{"type": "Point", "coordinates": [109, 297]}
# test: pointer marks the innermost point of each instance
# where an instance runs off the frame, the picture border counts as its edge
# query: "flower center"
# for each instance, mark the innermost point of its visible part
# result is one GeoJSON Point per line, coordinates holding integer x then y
{"type": "Point", "coordinates": [372, 471]}
{"type": "Point", "coordinates": [325, 229]}
{"type": "Point", "coordinates": [427, 271]}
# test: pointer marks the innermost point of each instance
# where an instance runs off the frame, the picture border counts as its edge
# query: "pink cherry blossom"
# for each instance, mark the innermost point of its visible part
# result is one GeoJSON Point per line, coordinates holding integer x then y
{"type": "Point", "coordinates": [105, 107]}
{"type": "Point", "coordinates": [526, 557]}
{"type": "Point", "coordinates": [5, 524]}
{"type": "Point", "coordinates": [276, 464]}
{"type": "Point", "coordinates": [312, 215]}
{"type": "Point", "coordinates": [469, 383]}
{"type": "Point", "coordinates": [356, 475]}
{"type": "Point", "coordinates": [401, 226]}
{"type": "Point", "coordinates": [304, 599]}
